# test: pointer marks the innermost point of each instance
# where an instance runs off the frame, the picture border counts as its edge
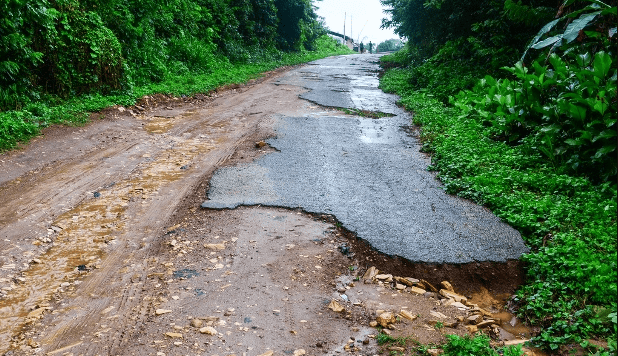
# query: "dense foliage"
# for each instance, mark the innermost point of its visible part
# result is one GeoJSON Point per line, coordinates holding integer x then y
{"type": "Point", "coordinates": [61, 58]}
{"type": "Point", "coordinates": [70, 47]}
{"type": "Point", "coordinates": [534, 140]}
{"type": "Point", "coordinates": [390, 45]}
{"type": "Point", "coordinates": [452, 43]}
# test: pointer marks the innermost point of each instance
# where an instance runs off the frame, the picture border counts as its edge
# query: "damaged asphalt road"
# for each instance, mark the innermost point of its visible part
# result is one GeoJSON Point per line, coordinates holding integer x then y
{"type": "Point", "coordinates": [105, 250]}
{"type": "Point", "coordinates": [368, 173]}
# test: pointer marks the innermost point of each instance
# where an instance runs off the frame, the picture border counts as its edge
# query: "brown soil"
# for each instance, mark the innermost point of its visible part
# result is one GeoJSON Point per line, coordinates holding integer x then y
{"type": "Point", "coordinates": [101, 227]}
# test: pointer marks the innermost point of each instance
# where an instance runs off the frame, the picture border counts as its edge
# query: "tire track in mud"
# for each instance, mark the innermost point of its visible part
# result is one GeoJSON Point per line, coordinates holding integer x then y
{"type": "Point", "coordinates": [89, 279]}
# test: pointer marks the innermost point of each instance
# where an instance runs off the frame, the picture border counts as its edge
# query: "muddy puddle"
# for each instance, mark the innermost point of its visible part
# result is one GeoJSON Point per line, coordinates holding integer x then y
{"type": "Point", "coordinates": [511, 327]}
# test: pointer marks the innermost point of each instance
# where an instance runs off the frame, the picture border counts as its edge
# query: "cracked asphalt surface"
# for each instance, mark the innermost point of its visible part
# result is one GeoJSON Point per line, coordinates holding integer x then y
{"type": "Point", "coordinates": [368, 173]}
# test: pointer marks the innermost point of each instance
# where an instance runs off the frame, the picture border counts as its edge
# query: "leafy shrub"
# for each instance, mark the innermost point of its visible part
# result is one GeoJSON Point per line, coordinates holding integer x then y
{"type": "Point", "coordinates": [80, 54]}
{"type": "Point", "coordinates": [565, 110]}
{"type": "Point", "coordinates": [402, 58]}
{"type": "Point", "coordinates": [390, 45]}
{"type": "Point", "coordinates": [198, 55]}
{"type": "Point", "coordinates": [14, 128]}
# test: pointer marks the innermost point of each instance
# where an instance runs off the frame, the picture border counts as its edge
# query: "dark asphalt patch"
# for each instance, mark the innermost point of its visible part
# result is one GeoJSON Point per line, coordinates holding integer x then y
{"type": "Point", "coordinates": [369, 174]}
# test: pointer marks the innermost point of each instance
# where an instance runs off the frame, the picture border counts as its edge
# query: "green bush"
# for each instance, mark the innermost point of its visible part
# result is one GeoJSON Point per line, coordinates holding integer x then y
{"type": "Point", "coordinates": [565, 110]}
{"type": "Point", "coordinates": [80, 54]}
{"type": "Point", "coordinates": [15, 127]}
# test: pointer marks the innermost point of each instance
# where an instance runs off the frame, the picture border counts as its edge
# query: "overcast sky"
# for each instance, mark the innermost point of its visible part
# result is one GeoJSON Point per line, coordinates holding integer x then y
{"type": "Point", "coordinates": [367, 13]}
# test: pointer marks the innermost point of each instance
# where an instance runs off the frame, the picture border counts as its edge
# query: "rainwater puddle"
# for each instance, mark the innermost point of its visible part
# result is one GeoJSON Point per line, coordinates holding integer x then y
{"type": "Point", "coordinates": [159, 125]}
{"type": "Point", "coordinates": [369, 99]}
{"type": "Point", "coordinates": [512, 327]}
{"type": "Point", "coordinates": [365, 82]}
{"type": "Point", "coordinates": [377, 131]}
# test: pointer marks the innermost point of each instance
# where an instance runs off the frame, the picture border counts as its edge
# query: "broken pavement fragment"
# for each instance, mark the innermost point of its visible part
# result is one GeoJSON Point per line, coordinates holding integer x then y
{"type": "Point", "coordinates": [410, 282]}
{"type": "Point", "coordinates": [407, 315]}
{"type": "Point", "coordinates": [447, 285]}
{"type": "Point", "coordinates": [162, 311]}
{"type": "Point", "coordinates": [417, 290]}
{"type": "Point", "coordinates": [208, 330]}
{"type": "Point", "coordinates": [370, 274]}
{"type": "Point", "coordinates": [219, 246]}
{"type": "Point", "coordinates": [452, 295]}
{"type": "Point", "coordinates": [385, 319]}
{"type": "Point", "coordinates": [336, 307]}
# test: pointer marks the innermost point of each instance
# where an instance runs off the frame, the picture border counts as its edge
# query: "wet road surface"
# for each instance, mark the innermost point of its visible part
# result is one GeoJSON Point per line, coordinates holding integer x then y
{"type": "Point", "coordinates": [368, 173]}
{"type": "Point", "coordinates": [101, 227]}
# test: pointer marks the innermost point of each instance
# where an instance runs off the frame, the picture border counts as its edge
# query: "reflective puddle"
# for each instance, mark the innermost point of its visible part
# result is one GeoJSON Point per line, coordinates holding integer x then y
{"type": "Point", "coordinates": [378, 131]}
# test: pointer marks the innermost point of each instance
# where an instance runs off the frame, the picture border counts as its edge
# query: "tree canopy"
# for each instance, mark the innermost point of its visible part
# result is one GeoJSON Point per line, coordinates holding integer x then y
{"type": "Point", "coordinates": [390, 45]}
{"type": "Point", "coordinates": [68, 47]}
{"type": "Point", "coordinates": [429, 24]}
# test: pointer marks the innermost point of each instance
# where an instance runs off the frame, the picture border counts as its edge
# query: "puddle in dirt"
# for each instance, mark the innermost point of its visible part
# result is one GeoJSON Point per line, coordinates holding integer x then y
{"type": "Point", "coordinates": [512, 327]}
{"type": "Point", "coordinates": [162, 123]}
{"type": "Point", "coordinates": [159, 125]}
{"type": "Point", "coordinates": [84, 233]}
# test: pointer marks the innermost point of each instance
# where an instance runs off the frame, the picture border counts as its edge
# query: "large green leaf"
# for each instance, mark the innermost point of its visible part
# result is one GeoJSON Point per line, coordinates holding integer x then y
{"type": "Point", "coordinates": [602, 64]}
{"type": "Point", "coordinates": [548, 27]}
{"type": "Point", "coordinates": [547, 42]}
{"type": "Point", "coordinates": [605, 134]}
{"type": "Point", "coordinates": [573, 142]}
{"type": "Point", "coordinates": [572, 31]}
{"type": "Point", "coordinates": [605, 150]}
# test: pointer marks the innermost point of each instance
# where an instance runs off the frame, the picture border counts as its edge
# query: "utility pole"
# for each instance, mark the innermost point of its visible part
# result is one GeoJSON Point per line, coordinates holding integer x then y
{"type": "Point", "coordinates": [345, 16]}
{"type": "Point", "coordinates": [351, 36]}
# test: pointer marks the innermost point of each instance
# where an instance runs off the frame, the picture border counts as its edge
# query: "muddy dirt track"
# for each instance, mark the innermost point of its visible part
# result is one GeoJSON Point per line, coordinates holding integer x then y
{"type": "Point", "coordinates": [105, 250]}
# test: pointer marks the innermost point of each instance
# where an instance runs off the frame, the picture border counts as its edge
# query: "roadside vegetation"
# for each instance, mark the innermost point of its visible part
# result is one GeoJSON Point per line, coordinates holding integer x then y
{"type": "Point", "coordinates": [517, 104]}
{"type": "Point", "coordinates": [391, 45]}
{"type": "Point", "coordinates": [60, 60]}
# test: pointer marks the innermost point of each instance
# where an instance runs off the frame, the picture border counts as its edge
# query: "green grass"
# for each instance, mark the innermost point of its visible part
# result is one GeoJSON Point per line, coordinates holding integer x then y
{"type": "Point", "coordinates": [568, 222]}
{"type": "Point", "coordinates": [366, 113]}
{"type": "Point", "coordinates": [477, 345]}
{"type": "Point", "coordinates": [21, 125]}
{"type": "Point", "coordinates": [383, 339]}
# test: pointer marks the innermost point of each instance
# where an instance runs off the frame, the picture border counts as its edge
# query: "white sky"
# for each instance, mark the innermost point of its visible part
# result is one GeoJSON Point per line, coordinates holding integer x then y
{"type": "Point", "coordinates": [367, 13]}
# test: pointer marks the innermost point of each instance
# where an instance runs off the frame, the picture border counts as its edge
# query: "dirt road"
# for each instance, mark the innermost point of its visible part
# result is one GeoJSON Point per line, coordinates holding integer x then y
{"type": "Point", "coordinates": [105, 250]}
